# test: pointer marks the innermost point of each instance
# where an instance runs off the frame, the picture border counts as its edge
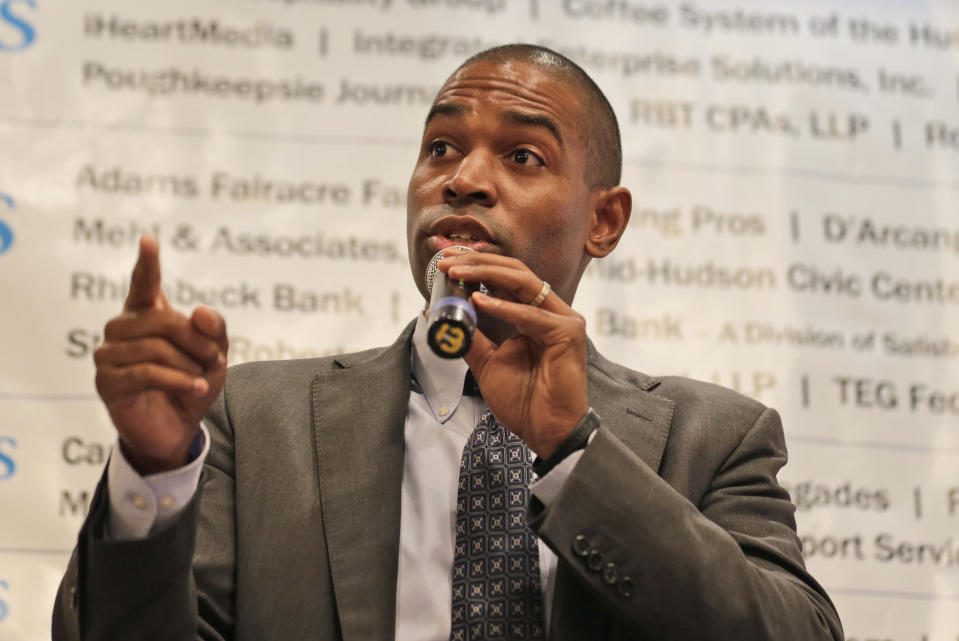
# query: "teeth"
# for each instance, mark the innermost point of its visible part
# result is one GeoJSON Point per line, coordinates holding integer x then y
{"type": "Point", "coordinates": [462, 237]}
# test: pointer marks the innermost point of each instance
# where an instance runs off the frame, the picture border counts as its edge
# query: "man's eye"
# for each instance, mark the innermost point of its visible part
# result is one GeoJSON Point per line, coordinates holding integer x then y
{"type": "Point", "coordinates": [438, 148]}
{"type": "Point", "coordinates": [526, 157]}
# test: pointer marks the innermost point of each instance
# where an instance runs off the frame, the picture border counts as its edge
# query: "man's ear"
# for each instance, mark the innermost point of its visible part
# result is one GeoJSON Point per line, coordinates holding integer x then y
{"type": "Point", "coordinates": [610, 217]}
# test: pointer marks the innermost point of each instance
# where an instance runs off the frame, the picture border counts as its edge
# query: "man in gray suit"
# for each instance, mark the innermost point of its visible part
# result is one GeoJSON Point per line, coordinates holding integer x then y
{"type": "Point", "coordinates": [324, 508]}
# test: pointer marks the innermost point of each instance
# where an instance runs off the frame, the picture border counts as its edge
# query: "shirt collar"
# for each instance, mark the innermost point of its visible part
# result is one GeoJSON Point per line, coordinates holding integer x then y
{"type": "Point", "coordinates": [441, 379]}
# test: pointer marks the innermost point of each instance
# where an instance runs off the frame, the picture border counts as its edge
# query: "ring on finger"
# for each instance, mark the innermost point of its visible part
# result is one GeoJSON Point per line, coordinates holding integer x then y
{"type": "Point", "coordinates": [541, 296]}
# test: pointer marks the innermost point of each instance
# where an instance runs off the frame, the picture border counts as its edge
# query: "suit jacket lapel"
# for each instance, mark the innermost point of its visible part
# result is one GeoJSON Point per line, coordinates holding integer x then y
{"type": "Point", "coordinates": [639, 419]}
{"type": "Point", "coordinates": [359, 413]}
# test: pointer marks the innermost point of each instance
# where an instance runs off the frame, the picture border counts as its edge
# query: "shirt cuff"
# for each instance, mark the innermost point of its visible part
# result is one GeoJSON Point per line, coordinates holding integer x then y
{"type": "Point", "coordinates": [557, 468]}
{"type": "Point", "coordinates": [547, 488]}
{"type": "Point", "coordinates": [141, 505]}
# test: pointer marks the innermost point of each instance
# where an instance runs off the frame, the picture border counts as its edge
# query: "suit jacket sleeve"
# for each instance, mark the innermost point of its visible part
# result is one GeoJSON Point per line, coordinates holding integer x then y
{"type": "Point", "coordinates": [712, 564]}
{"type": "Point", "coordinates": [147, 589]}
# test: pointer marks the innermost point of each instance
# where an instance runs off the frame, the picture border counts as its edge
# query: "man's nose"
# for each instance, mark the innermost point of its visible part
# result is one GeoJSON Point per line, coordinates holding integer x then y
{"type": "Point", "coordinates": [472, 181]}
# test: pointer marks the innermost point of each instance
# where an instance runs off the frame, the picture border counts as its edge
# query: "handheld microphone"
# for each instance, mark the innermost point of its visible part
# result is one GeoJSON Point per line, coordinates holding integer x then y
{"type": "Point", "coordinates": [452, 318]}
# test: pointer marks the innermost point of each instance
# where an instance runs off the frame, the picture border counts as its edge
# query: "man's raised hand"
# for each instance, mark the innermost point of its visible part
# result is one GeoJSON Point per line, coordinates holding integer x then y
{"type": "Point", "coordinates": [535, 381]}
{"type": "Point", "coordinates": [157, 370]}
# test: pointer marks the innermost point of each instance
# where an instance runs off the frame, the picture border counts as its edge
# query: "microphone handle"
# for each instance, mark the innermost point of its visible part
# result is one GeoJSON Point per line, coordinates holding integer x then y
{"type": "Point", "coordinates": [452, 319]}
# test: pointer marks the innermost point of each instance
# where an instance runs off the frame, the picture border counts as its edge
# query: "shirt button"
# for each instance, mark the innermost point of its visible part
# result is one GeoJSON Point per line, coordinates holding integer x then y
{"type": "Point", "coordinates": [166, 502]}
{"type": "Point", "coordinates": [444, 411]}
{"type": "Point", "coordinates": [626, 587]}
{"type": "Point", "coordinates": [139, 501]}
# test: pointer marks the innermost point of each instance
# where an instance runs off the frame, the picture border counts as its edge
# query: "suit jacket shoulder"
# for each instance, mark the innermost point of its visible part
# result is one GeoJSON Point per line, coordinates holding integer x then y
{"type": "Point", "coordinates": [706, 423]}
{"type": "Point", "coordinates": [690, 396]}
{"type": "Point", "coordinates": [262, 388]}
{"type": "Point", "coordinates": [268, 375]}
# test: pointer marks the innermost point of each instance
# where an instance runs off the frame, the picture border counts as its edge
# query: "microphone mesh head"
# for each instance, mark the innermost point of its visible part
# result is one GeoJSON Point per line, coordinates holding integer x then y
{"type": "Point", "coordinates": [431, 268]}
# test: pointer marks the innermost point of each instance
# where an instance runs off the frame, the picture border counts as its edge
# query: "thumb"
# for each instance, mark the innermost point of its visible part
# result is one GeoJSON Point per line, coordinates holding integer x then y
{"type": "Point", "coordinates": [479, 353]}
{"type": "Point", "coordinates": [145, 280]}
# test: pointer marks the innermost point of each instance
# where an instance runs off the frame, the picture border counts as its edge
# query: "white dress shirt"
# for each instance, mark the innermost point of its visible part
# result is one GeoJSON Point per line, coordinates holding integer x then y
{"type": "Point", "coordinates": [439, 421]}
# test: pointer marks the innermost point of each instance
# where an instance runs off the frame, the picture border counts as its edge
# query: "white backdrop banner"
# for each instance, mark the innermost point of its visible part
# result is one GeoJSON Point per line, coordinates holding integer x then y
{"type": "Point", "coordinates": [794, 169]}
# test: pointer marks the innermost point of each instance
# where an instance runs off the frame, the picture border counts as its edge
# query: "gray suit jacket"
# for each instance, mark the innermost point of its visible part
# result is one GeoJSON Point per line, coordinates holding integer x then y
{"type": "Point", "coordinates": [294, 534]}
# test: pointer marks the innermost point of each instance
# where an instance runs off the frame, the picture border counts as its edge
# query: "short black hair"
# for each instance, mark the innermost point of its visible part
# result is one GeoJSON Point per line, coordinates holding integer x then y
{"type": "Point", "coordinates": [600, 132]}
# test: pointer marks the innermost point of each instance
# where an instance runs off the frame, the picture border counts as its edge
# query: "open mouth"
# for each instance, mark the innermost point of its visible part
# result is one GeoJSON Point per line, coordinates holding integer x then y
{"type": "Point", "coordinates": [457, 230]}
{"type": "Point", "coordinates": [440, 241]}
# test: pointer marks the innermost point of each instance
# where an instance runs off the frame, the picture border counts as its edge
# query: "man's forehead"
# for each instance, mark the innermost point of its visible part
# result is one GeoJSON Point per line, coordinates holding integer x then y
{"type": "Point", "coordinates": [517, 92]}
{"type": "Point", "coordinates": [523, 79]}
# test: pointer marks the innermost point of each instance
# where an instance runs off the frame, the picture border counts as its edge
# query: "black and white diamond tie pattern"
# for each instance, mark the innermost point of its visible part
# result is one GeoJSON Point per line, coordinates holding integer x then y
{"type": "Point", "coordinates": [496, 578]}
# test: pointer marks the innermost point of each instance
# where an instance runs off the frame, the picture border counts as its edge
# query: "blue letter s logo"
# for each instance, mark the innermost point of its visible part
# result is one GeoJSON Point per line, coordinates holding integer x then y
{"type": "Point", "coordinates": [27, 33]}
{"type": "Point", "coordinates": [6, 234]}
{"type": "Point", "coordinates": [7, 465]}
{"type": "Point", "coordinates": [3, 604]}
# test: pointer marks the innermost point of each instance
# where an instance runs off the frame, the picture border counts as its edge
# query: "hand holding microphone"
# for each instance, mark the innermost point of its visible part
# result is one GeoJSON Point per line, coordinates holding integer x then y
{"type": "Point", "coordinates": [533, 376]}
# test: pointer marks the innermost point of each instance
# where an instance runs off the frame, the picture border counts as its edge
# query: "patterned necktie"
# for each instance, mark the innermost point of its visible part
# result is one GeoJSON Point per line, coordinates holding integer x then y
{"type": "Point", "coordinates": [496, 579]}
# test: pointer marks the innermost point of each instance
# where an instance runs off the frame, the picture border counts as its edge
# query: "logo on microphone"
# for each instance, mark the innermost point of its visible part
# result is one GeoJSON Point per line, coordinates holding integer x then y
{"type": "Point", "coordinates": [448, 338]}
{"type": "Point", "coordinates": [16, 32]}
{"type": "Point", "coordinates": [6, 233]}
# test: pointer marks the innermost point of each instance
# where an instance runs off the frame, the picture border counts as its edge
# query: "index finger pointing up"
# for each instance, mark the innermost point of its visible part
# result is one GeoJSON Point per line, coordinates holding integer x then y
{"type": "Point", "coordinates": [145, 280]}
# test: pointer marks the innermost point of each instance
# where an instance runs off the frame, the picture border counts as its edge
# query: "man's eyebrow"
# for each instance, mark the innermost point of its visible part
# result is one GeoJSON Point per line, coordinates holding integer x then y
{"type": "Point", "coordinates": [454, 110]}
{"type": "Point", "coordinates": [535, 120]}
{"type": "Point", "coordinates": [444, 109]}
